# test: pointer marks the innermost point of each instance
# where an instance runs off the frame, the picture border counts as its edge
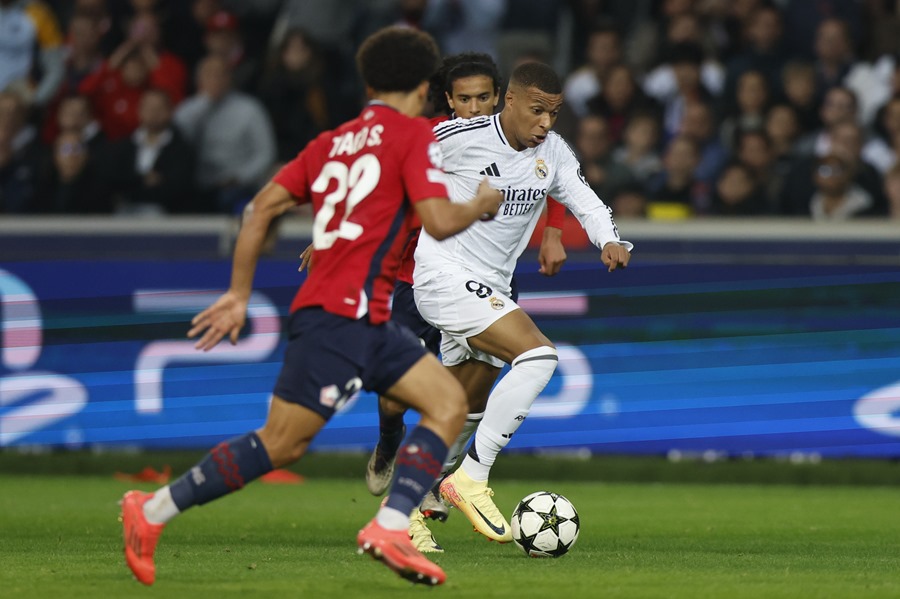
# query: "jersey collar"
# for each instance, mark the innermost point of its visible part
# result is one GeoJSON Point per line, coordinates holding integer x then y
{"type": "Point", "coordinates": [495, 118]}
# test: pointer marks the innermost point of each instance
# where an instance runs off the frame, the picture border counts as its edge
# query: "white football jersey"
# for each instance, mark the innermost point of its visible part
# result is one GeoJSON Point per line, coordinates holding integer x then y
{"type": "Point", "coordinates": [476, 148]}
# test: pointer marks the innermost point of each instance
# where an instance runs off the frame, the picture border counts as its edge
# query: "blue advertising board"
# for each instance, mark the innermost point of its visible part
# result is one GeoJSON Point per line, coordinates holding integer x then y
{"type": "Point", "coordinates": [738, 358]}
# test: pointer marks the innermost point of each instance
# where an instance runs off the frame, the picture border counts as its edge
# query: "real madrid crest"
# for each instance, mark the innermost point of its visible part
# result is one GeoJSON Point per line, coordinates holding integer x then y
{"type": "Point", "coordinates": [496, 302]}
{"type": "Point", "coordinates": [541, 169]}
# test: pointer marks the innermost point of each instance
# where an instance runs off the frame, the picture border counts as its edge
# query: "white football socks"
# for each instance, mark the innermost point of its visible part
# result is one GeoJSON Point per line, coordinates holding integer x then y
{"type": "Point", "coordinates": [160, 508]}
{"type": "Point", "coordinates": [459, 446]}
{"type": "Point", "coordinates": [507, 407]}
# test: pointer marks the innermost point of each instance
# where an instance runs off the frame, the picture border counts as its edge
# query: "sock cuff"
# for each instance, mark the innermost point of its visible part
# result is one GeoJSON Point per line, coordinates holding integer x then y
{"type": "Point", "coordinates": [261, 452]}
{"type": "Point", "coordinates": [473, 418]}
{"type": "Point", "coordinates": [543, 352]}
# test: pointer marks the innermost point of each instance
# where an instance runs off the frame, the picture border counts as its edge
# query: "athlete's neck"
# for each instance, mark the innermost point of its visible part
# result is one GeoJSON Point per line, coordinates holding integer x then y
{"type": "Point", "coordinates": [407, 103]}
{"type": "Point", "coordinates": [508, 132]}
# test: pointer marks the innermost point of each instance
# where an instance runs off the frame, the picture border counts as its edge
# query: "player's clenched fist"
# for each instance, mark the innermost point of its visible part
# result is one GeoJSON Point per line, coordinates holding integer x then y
{"type": "Point", "coordinates": [615, 256]}
{"type": "Point", "coordinates": [488, 200]}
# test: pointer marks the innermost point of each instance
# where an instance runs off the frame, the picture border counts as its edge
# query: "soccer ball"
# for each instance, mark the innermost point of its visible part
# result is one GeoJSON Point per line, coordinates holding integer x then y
{"type": "Point", "coordinates": [545, 525]}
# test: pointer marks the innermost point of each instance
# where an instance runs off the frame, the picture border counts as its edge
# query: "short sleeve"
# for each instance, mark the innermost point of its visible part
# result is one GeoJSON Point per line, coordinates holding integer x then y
{"type": "Point", "coordinates": [556, 214]}
{"type": "Point", "coordinates": [423, 177]}
{"type": "Point", "coordinates": [293, 177]}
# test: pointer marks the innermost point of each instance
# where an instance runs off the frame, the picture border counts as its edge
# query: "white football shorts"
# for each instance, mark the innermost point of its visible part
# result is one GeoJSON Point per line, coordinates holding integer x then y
{"type": "Point", "coordinates": [461, 306]}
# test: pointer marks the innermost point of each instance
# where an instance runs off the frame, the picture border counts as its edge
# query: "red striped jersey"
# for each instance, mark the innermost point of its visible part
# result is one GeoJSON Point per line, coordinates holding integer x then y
{"type": "Point", "coordinates": [362, 179]}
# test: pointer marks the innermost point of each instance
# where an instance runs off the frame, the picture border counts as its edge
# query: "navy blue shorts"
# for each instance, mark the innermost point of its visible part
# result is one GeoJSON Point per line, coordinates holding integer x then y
{"type": "Point", "coordinates": [330, 357]}
{"type": "Point", "coordinates": [404, 311]}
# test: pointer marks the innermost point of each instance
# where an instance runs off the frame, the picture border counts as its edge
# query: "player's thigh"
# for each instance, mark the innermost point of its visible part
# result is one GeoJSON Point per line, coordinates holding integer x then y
{"type": "Point", "coordinates": [288, 431]}
{"type": "Point", "coordinates": [460, 304]}
{"type": "Point", "coordinates": [509, 337]}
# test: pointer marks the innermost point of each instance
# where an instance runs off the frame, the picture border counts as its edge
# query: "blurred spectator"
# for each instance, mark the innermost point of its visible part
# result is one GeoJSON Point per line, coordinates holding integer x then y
{"type": "Point", "coordinates": [749, 111]}
{"type": "Point", "coordinates": [726, 22]}
{"type": "Point", "coordinates": [83, 53]}
{"type": "Point", "coordinates": [331, 24]}
{"type": "Point", "coordinates": [631, 202]}
{"type": "Point", "coordinates": [541, 27]}
{"type": "Point", "coordinates": [754, 151]}
{"type": "Point", "coordinates": [834, 55]}
{"type": "Point", "coordinates": [802, 19]}
{"type": "Point", "coordinates": [31, 43]}
{"type": "Point", "coordinates": [593, 144]}
{"type": "Point", "coordinates": [839, 105]}
{"type": "Point", "coordinates": [232, 136]}
{"type": "Point", "coordinates": [674, 194]}
{"type": "Point", "coordinates": [845, 142]}
{"type": "Point", "coordinates": [646, 44]}
{"type": "Point", "coordinates": [14, 122]}
{"type": "Point", "coordinates": [603, 51]}
{"type": "Point", "coordinates": [137, 65]}
{"type": "Point", "coordinates": [873, 85]}
{"type": "Point", "coordinates": [151, 172]}
{"type": "Point", "coordinates": [73, 185]}
{"type": "Point", "coordinates": [684, 28]}
{"type": "Point", "coordinates": [737, 193]}
{"type": "Point", "coordinates": [763, 52]}
{"type": "Point", "coordinates": [639, 152]}
{"type": "Point", "coordinates": [783, 129]}
{"type": "Point", "coordinates": [463, 25]}
{"type": "Point", "coordinates": [700, 127]}
{"type": "Point", "coordinates": [187, 33]}
{"type": "Point", "coordinates": [837, 197]}
{"type": "Point", "coordinates": [892, 191]}
{"type": "Point", "coordinates": [685, 60]}
{"type": "Point", "coordinates": [882, 29]}
{"type": "Point", "coordinates": [74, 115]}
{"type": "Point", "coordinates": [619, 98]}
{"type": "Point", "coordinates": [17, 178]}
{"type": "Point", "coordinates": [223, 38]}
{"type": "Point", "coordinates": [296, 94]}
{"type": "Point", "coordinates": [881, 150]}
{"type": "Point", "coordinates": [799, 84]}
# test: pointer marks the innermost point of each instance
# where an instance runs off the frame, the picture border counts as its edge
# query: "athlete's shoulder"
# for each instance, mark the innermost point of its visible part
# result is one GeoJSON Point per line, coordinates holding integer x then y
{"type": "Point", "coordinates": [455, 127]}
{"type": "Point", "coordinates": [557, 144]}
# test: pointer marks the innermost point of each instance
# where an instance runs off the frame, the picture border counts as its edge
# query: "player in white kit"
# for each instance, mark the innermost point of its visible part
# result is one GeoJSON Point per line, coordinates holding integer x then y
{"type": "Point", "coordinates": [462, 284]}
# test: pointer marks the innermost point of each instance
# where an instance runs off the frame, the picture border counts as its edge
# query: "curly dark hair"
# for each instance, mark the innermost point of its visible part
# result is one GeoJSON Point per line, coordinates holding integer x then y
{"type": "Point", "coordinates": [458, 66]}
{"type": "Point", "coordinates": [538, 75]}
{"type": "Point", "coordinates": [397, 59]}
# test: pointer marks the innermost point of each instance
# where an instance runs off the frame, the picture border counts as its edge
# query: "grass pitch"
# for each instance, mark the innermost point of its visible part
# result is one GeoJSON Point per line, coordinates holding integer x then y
{"type": "Point", "coordinates": [59, 537]}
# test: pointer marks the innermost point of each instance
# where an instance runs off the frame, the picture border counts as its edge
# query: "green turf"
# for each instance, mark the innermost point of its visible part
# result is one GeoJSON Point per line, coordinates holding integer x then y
{"type": "Point", "coordinates": [59, 537]}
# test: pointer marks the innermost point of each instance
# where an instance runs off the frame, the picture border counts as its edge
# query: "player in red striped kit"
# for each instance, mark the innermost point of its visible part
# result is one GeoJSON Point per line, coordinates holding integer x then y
{"type": "Point", "coordinates": [369, 181]}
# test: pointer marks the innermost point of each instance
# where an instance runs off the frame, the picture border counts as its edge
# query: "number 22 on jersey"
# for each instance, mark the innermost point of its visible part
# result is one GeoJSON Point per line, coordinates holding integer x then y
{"type": "Point", "coordinates": [354, 184]}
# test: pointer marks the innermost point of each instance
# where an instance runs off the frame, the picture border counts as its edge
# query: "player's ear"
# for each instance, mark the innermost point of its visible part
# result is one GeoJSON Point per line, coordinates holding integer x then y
{"type": "Point", "coordinates": [449, 101]}
{"type": "Point", "coordinates": [422, 90]}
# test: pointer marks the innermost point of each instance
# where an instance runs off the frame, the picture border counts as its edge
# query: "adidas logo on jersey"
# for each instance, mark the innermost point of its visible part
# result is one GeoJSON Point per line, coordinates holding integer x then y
{"type": "Point", "coordinates": [491, 171]}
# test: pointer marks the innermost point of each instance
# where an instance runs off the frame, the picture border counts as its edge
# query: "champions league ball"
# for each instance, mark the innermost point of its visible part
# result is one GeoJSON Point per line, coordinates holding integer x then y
{"type": "Point", "coordinates": [545, 525]}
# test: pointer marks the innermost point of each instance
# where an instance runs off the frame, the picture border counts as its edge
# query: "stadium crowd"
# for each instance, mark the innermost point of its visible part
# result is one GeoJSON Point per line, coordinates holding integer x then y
{"type": "Point", "coordinates": [676, 108]}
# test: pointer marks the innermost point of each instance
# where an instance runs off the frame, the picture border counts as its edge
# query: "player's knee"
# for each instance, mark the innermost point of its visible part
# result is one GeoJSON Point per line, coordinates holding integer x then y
{"type": "Point", "coordinates": [282, 449]}
{"type": "Point", "coordinates": [540, 362]}
{"type": "Point", "coordinates": [391, 408]}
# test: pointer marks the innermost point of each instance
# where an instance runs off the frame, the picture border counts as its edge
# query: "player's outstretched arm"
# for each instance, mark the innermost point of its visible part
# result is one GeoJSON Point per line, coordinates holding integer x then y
{"type": "Point", "coordinates": [227, 315]}
{"type": "Point", "coordinates": [442, 219]}
{"type": "Point", "coordinates": [615, 255]}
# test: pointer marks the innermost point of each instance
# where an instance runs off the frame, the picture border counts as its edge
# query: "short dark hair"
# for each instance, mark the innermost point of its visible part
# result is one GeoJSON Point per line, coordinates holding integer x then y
{"type": "Point", "coordinates": [459, 66]}
{"type": "Point", "coordinates": [397, 59]}
{"type": "Point", "coordinates": [537, 74]}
